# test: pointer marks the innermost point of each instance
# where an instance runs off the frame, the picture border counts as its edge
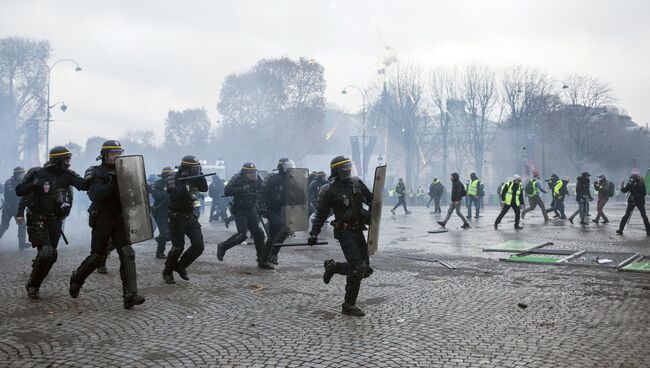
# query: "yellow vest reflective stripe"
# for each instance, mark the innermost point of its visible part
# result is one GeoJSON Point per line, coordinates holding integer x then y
{"type": "Point", "coordinates": [473, 188]}
{"type": "Point", "coordinates": [509, 194]}
{"type": "Point", "coordinates": [558, 186]}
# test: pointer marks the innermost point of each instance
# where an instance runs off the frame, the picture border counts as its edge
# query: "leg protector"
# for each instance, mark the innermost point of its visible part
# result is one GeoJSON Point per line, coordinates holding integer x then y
{"type": "Point", "coordinates": [41, 265]}
{"type": "Point", "coordinates": [84, 270]}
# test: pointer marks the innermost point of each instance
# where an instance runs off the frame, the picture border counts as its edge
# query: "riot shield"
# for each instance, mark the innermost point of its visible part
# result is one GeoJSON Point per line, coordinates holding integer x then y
{"type": "Point", "coordinates": [377, 203]}
{"type": "Point", "coordinates": [132, 185]}
{"type": "Point", "coordinates": [296, 215]}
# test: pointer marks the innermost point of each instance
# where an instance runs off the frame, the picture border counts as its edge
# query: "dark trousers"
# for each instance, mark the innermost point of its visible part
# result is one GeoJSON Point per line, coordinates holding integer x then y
{"type": "Point", "coordinates": [277, 233]}
{"type": "Point", "coordinates": [44, 234]}
{"type": "Point", "coordinates": [249, 220]}
{"type": "Point", "coordinates": [504, 210]}
{"type": "Point", "coordinates": [162, 220]}
{"type": "Point", "coordinates": [602, 201]}
{"type": "Point", "coordinates": [7, 215]}
{"type": "Point", "coordinates": [357, 265]}
{"type": "Point", "coordinates": [628, 212]}
{"type": "Point", "coordinates": [401, 200]}
{"type": "Point", "coordinates": [180, 226]}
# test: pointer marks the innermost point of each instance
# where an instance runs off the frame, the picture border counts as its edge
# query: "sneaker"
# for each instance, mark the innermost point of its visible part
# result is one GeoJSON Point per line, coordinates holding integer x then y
{"type": "Point", "coordinates": [352, 310]}
{"type": "Point", "coordinates": [519, 227]}
{"type": "Point", "coordinates": [441, 223]}
{"type": "Point", "coordinates": [596, 222]}
{"type": "Point", "coordinates": [571, 220]}
{"type": "Point", "coordinates": [408, 212]}
{"type": "Point", "coordinates": [392, 211]}
{"type": "Point", "coordinates": [619, 232]}
{"type": "Point", "coordinates": [465, 226]}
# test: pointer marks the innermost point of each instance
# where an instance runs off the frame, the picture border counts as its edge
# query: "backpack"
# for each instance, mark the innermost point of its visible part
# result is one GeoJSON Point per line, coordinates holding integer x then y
{"type": "Point", "coordinates": [610, 192]}
{"type": "Point", "coordinates": [463, 191]}
{"type": "Point", "coordinates": [529, 189]}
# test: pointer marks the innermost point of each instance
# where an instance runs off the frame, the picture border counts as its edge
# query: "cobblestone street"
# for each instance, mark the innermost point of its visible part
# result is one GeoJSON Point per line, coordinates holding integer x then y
{"type": "Point", "coordinates": [485, 313]}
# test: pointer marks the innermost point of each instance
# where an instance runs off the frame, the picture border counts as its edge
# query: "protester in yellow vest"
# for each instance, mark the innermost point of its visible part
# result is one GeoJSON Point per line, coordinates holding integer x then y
{"type": "Point", "coordinates": [512, 196]}
{"type": "Point", "coordinates": [534, 198]}
{"type": "Point", "coordinates": [473, 191]}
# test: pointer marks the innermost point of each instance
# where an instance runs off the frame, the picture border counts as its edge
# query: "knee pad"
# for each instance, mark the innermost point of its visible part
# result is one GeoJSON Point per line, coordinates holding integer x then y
{"type": "Point", "coordinates": [239, 238]}
{"type": "Point", "coordinates": [126, 251]}
{"type": "Point", "coordinates": [358, 269]}
{"type": "Point", "coordinates": [47, 254]}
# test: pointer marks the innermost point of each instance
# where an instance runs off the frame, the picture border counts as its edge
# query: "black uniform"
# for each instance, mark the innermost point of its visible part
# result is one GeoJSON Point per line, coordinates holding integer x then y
{"type": "Point", "coordinates": [244, 208]}
{"type": "Point", "coordinates": [108, 229]}
{"type": "Point", "coordinates": [215, 191]}
{"type": "Point", "coordinates": [435, 192]}
{"type": "Point", "coordinates": [345, 198]}
{"type": "Point", "coordinates": [10, 210]}
{"type": "Point", "coordinates": [273, 194]}
{"type": "Point", "coordinates": [47, 198]}
{"type": "Point", "coordinates": [159, 211]}
{"type": "Point", "coordinates": [313, 190]}
{"type": "Point", "coordinates": [183, 220]}
{"type": "Point", "coordinates": [637, 192]}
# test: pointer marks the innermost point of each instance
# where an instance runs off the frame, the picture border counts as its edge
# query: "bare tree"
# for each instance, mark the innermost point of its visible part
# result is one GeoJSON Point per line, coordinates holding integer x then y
{"type": "Point", "coordinates": [442, 89]}
{"type": "Point", "coordinates": [586, 101]}
{"type": "Point", "coordinates": [479, 92]}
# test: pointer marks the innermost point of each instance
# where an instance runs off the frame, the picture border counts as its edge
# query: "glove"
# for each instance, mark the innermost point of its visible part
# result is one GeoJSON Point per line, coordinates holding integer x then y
{"type": "Point", "coordinates": [312, 240]}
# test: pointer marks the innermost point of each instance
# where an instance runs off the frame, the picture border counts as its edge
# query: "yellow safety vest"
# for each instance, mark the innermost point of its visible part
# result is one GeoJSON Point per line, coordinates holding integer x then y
{"type": "Point", "coordinates": [556, 189]}
{"type": "Point", "coordinates": [509, 194]}
{"type": "Point", "coordinates": [473, 188]}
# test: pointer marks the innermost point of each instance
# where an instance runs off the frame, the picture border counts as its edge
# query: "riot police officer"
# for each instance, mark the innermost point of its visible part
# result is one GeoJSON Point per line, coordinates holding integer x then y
{"type": "Point", "coordinates": [159, 210]}
{"type": "Point", "coordinates": [108, 228]}
{"type": "Point", "coordinates": [314, 188]}
{"type": "Point", "coordinates": [273, 194]}
{"type": "Point", "coordinates": [345, 195]}
{"type": "Point", "coordinates": [47, 197]}
{"type": "Point", "coordinates": [10, 208]}
{"type": "Point", "coordinates": [183, 188]}
{"type": "Point", "coordinates": [245, 188]}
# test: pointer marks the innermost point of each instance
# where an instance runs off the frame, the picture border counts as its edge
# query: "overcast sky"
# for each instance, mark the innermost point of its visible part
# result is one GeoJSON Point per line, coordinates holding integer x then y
{"type": "Point", "coordinates": [142, 58]}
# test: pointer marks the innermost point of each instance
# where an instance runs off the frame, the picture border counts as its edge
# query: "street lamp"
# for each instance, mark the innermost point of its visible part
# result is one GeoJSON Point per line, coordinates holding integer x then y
{"type": "Point", "coordinates": [63, 107]}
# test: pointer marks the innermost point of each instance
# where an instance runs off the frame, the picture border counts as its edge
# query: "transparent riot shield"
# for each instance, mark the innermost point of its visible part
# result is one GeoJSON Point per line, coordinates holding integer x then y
{"type": "Point", "coordinates": [296, 213]}
{"type": "Point", "coordinates": [375, 214]}
{"type": "Point", "coordinates": [132, 185]}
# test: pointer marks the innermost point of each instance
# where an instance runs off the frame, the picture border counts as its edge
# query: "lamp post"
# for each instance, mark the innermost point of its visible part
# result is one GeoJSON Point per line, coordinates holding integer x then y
{"type": "Point", "coordinates": [49, 107]}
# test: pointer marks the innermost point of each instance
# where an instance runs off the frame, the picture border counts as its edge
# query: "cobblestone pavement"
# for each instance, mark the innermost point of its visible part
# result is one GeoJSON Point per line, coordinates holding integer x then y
{"type": "Point", "coordinates": [418, 313]}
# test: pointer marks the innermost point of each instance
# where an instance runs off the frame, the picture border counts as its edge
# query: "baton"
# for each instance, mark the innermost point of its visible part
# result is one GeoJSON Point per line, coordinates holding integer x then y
{"type": "Point", "coordinates": [278, 245]}
{"type": "Point", "coordinates": [196, 176]}
{"type": "Point", "coordinates": [64, 238]}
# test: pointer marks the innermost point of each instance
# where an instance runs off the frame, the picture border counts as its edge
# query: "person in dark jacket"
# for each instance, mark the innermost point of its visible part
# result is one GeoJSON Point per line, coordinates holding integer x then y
{"type": "Point", "coordinates": [108, 227]}
{"type": "Point", "coordinates": [215, 191]}
{"type": "Point", "coordinates": [604, 188]}
{"type": "Point", "coordinates": [400, 189]}
{"type": "Point", "coordinates": [512, 196]}
{"type": "Point", "coordinates": [160, 210]}
{"type": "Point", "coordinates": [583, 196]}
{"type": "Point", "coordinates": [637, 192]}
{"type": "Point", "coordinates": [435, 192]}
{"type": "Point", "coordinates": [10, 208]}
{"type": "Point", "coordinates": [457, 193]}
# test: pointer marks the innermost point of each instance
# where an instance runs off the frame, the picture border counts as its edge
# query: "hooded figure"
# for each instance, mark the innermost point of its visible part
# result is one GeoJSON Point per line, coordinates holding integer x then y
{"type": "Point", "coordinates": [457, 193]}
{"type": "Point", "coordinates": [636, 187]}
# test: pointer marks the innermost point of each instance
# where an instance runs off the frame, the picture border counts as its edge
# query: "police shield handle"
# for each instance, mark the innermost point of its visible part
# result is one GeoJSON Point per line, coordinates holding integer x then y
{"type": "Point", "coordinates": [377, 203]}
{"type": "Point", "coordinates": [132, 186]}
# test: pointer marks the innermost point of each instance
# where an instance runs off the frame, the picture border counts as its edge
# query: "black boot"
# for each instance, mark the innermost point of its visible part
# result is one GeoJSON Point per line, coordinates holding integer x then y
{"type": "Point", "coordinates": [192, 253]}
{"type": "Point", "coordinates": [222, 247]}
{"type": "Point", "coordinates": [86, 267]}
{"type": "Point", "coordinates": [170, 264]}
{"type": "Point", "coordinates": [351, 293]}
{"type": "Point", "coordinates": [101, 269]}
{"type": "Point", "coordinates": [329, 270]}
{"type": "Point", "coordinates": [41, 266]}
{"type": "Point", "coordinates": [129, 277]}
